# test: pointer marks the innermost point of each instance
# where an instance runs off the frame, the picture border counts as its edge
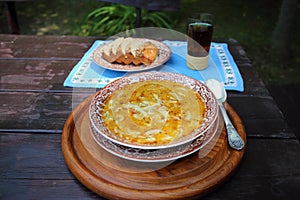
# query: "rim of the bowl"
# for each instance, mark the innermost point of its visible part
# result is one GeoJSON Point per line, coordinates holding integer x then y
{"type": "Point", "coordinates": [145, 76]}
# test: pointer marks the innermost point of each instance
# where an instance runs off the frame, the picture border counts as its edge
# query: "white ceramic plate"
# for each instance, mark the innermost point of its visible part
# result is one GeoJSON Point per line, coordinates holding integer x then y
{"type": "Point", "coordinates": [164, 55]}
{"type": "Point", "coordinates": [100, 97]}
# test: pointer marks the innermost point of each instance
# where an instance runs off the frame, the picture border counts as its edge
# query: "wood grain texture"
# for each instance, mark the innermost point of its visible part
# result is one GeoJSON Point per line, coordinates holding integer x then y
{"type": "Point", "coordinates": [43, 47]}
{"type": "Point", "coordinates": [46, 111]}
{"type": "Point", "coordinates": [114, 177]}
{"type": "Point", "coordinates": [33, 167]}
{"type": "Point", "coordinates": [34, 74]}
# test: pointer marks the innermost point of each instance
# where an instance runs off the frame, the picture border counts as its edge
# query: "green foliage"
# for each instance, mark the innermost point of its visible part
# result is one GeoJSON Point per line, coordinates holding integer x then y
{"type": "Point", "coordinates": [113, 19]}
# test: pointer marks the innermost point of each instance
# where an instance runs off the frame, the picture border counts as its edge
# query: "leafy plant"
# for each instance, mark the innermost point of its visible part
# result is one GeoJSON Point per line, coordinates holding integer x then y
{"type": "Point", "coordinates": [110, 20]}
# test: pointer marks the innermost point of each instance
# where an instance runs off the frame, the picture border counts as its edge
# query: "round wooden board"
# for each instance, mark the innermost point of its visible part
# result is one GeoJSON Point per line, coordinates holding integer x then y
{"type": "Point", "coordinates": [116, 178]}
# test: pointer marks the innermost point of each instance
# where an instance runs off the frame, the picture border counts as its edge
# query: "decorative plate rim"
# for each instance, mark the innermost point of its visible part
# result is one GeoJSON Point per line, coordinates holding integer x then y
{"type": "Point", "coordinates": [163, 56]}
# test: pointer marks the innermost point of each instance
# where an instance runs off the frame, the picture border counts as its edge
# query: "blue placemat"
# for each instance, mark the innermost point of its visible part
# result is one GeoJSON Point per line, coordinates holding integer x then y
{"type": "Point", "coordinates": [221, 66]}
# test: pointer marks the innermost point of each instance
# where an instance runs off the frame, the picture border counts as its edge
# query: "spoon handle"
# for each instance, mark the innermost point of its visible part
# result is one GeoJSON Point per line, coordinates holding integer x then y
{"type": "Point", "coordinates": [234, 139]}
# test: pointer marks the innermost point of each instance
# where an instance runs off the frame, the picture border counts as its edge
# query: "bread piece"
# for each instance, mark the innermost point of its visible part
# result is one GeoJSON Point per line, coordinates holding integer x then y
{"type": "Point", "coordinates": [130, 50]}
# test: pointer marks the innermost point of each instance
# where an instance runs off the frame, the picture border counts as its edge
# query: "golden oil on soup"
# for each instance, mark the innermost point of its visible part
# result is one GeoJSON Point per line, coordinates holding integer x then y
{"type": "Point", "coordinates": [153, 112]}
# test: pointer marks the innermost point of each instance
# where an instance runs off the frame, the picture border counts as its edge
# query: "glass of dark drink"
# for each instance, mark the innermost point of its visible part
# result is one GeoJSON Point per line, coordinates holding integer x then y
{"type": "Point", "coordinates": [200, 33]}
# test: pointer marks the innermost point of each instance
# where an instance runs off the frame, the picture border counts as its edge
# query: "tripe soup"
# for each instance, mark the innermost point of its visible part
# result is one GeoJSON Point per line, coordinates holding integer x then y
{"type": "Point", "coordinates": [153, 112]}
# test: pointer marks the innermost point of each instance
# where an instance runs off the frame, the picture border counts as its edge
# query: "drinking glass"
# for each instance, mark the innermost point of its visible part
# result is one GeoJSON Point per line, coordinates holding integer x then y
{"type": "Point", "coordinates": [200, 31]}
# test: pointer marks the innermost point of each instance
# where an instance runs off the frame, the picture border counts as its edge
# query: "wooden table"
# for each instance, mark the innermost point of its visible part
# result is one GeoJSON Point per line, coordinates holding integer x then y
{"type": "Point", "coordinates": [35, 106]}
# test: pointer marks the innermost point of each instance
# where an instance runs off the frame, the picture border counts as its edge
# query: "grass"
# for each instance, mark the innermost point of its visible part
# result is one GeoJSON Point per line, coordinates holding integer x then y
{"type": "Point", "coordinates": [250, 22]}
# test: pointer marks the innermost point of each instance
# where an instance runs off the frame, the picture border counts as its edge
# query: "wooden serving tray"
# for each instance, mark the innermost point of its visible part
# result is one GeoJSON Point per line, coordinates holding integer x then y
{"type": "Point", "coordinates": [116, 178]}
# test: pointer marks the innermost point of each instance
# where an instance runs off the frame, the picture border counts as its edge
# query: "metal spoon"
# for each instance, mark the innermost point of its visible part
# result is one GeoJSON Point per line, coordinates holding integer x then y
{"type": "Point", "coordinates": [234, 139]}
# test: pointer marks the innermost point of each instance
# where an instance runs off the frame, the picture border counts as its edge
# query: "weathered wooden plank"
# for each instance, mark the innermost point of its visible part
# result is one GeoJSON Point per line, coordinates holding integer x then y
{"type": "Point", "coordinates": [22, 46]}
{"type": "Point", "coordinates": [264, 187]}
{"type": "Point", "coordinates": [247, 188]}
{"type": "Point", "coordinates": [288, 97]}
{"type": "Point", "coordinates": [32, 165]}
{"type": "Point", "coordinates": [38, 111]}
{"type": "Point", "coordinates": [284, 187]}
{"type": "Point", "coordinates": [34, 110]}
{"type": "Point", "coordinates": [44, 189]}
{"type": "Point", "coordinates": [32, 156]}
{"type": "Point", "coordinates": [262, 117]}
{"type": "Point", "coordinates": [34, 74]}
{"type": "Point", "coordinates": [263, 161]}
{"type": "Point", "coordinates": [271, 128]}
{"type": "Point", "coordinates": [253, 107]}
